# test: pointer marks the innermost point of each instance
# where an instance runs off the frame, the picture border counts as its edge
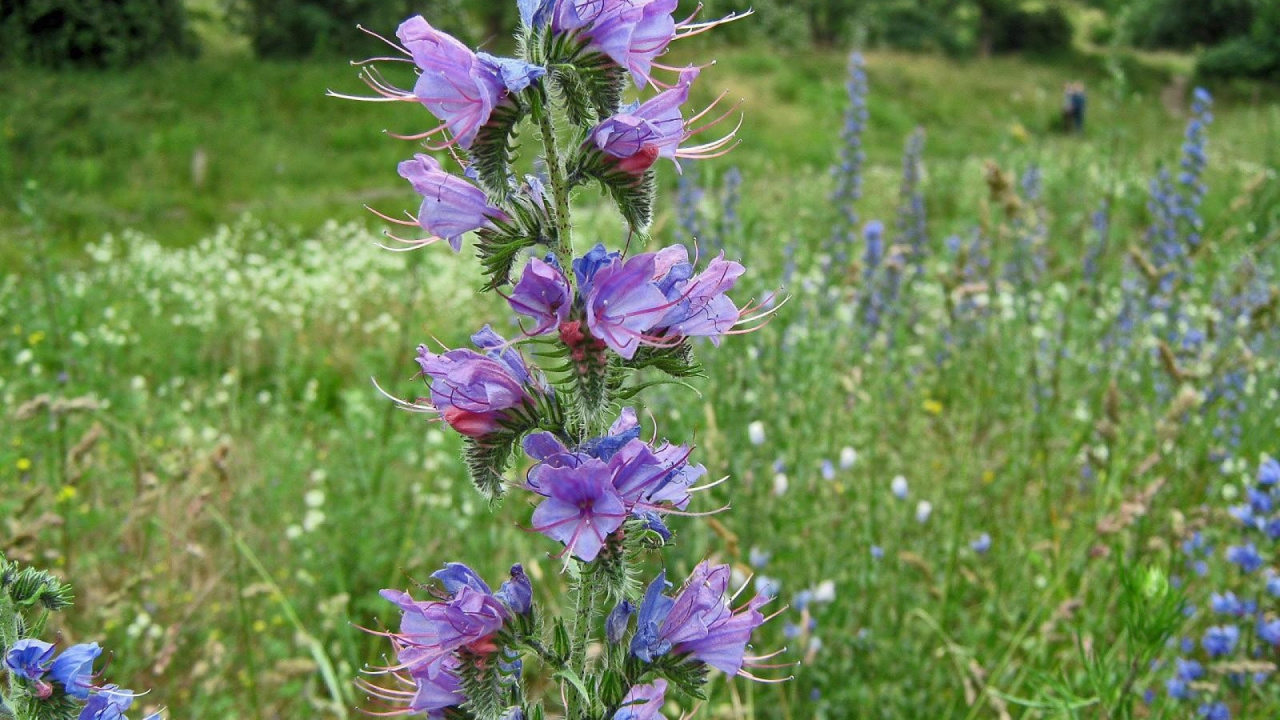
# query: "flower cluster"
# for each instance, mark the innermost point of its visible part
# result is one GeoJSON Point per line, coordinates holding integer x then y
{"type": "Point", "coordinates": [601, 491]}
{"type": "Point", "coordinates": [43, 682]}
{"type": "Point", "coordinates": [1239, 644]}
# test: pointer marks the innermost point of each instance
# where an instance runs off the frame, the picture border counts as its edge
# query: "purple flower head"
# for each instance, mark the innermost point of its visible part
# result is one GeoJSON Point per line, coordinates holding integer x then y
{"type": "Point", "coordinates": [107, 703]}
{"type": "Point", "coordinates": [74, 667]}
{"type": "Point", "coordinates": [586, 267]}
{"type": "Point", "coordinates": [458, 86]}
{"type": "Point", "coordinates": [631, 32]}
{"type": "Point", "coordinates": [1220, 640]}
{"type": "Point", "coordinates": [623, 302]}
{"type": "Point", "coordinates": [29, 658]}
{"type": "Point", "coordinates": [451, 206]}
{"type": "Point", "coordinates": [432, 631]}
{"type": "Point", "coordinates": [698, 622]}
{"type": "Point", "coordinates": [543, 294]}
{"type": "Point", "coordinates": [633, 139]}
{"type": "Point", "coordinates": [581, 508]}
{"type": "Point", "coordinates": [982, 544]}
{"type": "Point", "coordinates": [471, 391]}
{"type": "Point", "coordinates": [1245, 556]}
{"type": "Point", "coordinates": [643, 702]}
{"type": "Point", "coordinates": [701, 308]}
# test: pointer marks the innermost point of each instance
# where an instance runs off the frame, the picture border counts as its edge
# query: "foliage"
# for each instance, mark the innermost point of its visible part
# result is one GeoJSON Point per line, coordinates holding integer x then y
{"type": "Point", "coordinates": [96, 33]}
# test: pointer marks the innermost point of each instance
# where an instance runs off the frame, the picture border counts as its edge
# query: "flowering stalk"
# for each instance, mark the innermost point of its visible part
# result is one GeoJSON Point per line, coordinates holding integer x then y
{"type": "Point", "coordinates": [44, 682]}
{"type": "Point", "coordinates": [605, 321]}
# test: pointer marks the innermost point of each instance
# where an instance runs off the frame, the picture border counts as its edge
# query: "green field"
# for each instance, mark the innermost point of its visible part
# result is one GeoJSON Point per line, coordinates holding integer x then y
{"type": "Point", "coordinates": [192, 438]}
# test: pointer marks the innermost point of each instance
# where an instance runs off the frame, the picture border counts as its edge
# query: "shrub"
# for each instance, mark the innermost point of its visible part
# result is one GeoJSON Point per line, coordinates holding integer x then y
{"type": "Point", "coordinates": [1036, 31]}
{"type": "Point", "coordinates": [1242, 57]}
{"type": "Point", "coordinates": [99, 33]}
{"type": "Point", "coordinates": [295, 28]}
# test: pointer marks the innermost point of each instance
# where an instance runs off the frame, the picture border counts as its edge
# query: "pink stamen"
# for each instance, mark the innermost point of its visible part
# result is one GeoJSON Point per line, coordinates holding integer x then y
{"type": "Point", "coordinates": [397, 221]}
{"type": "Point", "coordinates": [367, 31]}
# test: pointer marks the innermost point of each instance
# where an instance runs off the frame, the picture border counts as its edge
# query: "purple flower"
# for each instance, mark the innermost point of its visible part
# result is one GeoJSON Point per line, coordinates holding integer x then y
{"type": "Point", "coordinates": [1220, 640]}
{"type": "Point", "coordinates": [471, 391]}
{"type": "Point", "coordinates": [432, 632]}
{"type": "Point", "coordinates": [623, 302]}
{"type": "Point", "coordinates": [451, 206]}
{"type": "Point", "coordinates": [701, 308]}
{"type": "Point", "coordinates": [1245, 556]}
{"type": "Point", "coordinates": [632, 140]}
{"type": "Point", "coordinates": [581, 508]}
{"type": "Point", "coordinates": [74, 667]}
{"type": "Point", "coordinates": [698, 622]}
{"type": "Point", "coordinates": [543, 294]}
{"type": "Point", "coordinates": [458, 86]}
{"type": "Point", "coordinates": [643, 702]}
{"type": "Point", "coordinates": [108, 703]}
{"type": "Point", "coordinates": [982, 544]}
{"type": "Point", "coordinates": [29, 658]}
{"type": "Point", "coordinates": [631, 32]}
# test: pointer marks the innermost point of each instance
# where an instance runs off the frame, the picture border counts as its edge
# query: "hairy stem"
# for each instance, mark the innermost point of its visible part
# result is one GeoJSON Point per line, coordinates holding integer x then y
{"type": "Point", "coordinates": [558, 181]}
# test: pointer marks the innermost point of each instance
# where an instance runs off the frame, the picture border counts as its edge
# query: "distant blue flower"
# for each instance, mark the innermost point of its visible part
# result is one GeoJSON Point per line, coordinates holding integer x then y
{"type": "Point", "coordinates": [899, 487]}
{"type": "Point", "coordinates": [758, 558]}
{"type": "Point", "coordinates": [877, 552]}
{"type": "Point", "coordinates": [802, 600]}
{"type": "Point", "coordinates": [1220, 640]}
{"type": "Point", "coordinates": [982, 544]}
{"type": "Point", "coordinates": [1214, 711]}
{"type": "Point", "coordinates": [767, 586]}
{"type": "Point", "coordinates": [1273, 585]}
{"type": "Point", "coordinates": [1269, 472]}
{"type": "Point", "coordinates": [1269, 631]}
{"type": "Point", "coordinates": [1245, 556]}
{"type": "Point", "coordinates": [828, 470]}
{"type": "Point", "coordinates": [1226, 604]}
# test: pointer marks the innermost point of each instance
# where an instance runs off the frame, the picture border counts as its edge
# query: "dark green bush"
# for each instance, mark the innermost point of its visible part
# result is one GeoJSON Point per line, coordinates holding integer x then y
{"type": "Point", "coordinates": [1042, 32]}
{"type": "Point", "coordinates": [911, 26]}
{"type": "Point", "coordinates": [1183, 24]}
{"type": "Point", "coordinates": [296, 28]}
{"type": "Point", "coordinates": [1241, 57]}
{"type": "Point", "coordinates": [97, 33]}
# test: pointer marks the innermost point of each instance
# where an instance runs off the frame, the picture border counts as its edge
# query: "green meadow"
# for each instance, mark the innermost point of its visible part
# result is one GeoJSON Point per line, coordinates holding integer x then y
{"type": "Point", "coordinates": [194, 311]}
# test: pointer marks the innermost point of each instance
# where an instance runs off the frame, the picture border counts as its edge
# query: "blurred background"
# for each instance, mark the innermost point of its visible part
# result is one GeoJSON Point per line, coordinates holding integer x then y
{"type": "Point", "coordinates": [953, 480]}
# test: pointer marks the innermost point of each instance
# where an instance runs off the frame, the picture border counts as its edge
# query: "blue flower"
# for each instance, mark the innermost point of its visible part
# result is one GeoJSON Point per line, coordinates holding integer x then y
{"type": "Point", "coordinates": [29, 659]}
{"type": "Point", "coordinates": [1214, 711]}
{"type": "Point", "coordinates": [982, 544]}
{"type": "Point", "coordinates": [1220, 640]}
{"type": "Point", "coordinates": [1226, 604]}
{"type": "Point", "coordinates": [1245, 556]}
{"type": "Point", "coordinates": [1269, 632]}
{"type": "Point", "coordinates": [1269, 472]}
{"type": "Point", "coordinates": [109, 703]}
{"type": "Point", "coordinates": [74, 667]}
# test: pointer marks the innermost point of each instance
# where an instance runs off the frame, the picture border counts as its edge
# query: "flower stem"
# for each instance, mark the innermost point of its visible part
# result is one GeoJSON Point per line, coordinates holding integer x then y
{"type": "Point", "coordinates": [558, 181]}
